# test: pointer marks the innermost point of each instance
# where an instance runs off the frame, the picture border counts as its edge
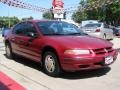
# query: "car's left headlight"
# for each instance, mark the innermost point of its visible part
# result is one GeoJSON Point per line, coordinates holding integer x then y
{"type": "Point", "coordinates": [77, 52]}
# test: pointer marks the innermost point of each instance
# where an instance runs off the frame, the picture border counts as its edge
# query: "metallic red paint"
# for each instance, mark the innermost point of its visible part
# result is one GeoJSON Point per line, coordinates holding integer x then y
{"type": "Point", "coordinates": [33, 50]}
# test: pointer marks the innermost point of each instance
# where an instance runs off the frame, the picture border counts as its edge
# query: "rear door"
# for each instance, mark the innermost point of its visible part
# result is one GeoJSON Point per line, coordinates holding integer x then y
{"type": "Point", "coordinates": [16, 37]}
{"type": "Point", "coordinates": [23, 44]}
{"type": "Point", "coordinates": [30, 46]}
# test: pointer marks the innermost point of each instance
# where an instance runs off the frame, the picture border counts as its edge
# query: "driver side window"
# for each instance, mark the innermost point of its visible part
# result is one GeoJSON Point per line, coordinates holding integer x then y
{"type": "Point", "coordinates": [29, 28]}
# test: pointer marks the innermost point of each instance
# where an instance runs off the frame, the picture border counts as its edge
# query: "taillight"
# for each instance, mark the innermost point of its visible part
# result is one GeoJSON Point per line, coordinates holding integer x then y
{"type": "Point", "coordinates": [97, 30]}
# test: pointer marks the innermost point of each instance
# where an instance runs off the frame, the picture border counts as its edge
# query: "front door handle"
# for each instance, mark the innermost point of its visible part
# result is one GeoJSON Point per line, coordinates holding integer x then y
{"type": "Point", "coordinates": [30, 41]}
{"type": "Point", "coordinates": [21, 41]}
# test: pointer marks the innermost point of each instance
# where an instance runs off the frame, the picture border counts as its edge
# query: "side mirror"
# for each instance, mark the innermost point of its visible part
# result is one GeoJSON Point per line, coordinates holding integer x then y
{"type": "Point", "coordinates": [32, 35]}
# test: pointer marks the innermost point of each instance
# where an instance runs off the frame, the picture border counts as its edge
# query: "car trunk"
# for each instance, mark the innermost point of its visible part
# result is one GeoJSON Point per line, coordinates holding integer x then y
{"type": "Point", "coordinates": [90, 29]}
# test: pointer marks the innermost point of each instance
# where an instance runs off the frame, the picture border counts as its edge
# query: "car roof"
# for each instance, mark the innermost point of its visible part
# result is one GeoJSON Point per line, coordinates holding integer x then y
{"type": "Point", "coordinates": [43, 20]}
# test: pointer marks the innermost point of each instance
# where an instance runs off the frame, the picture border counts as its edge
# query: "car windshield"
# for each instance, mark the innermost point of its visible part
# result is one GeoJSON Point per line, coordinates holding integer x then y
{"type": "Point", "coordinates": [58, 28]}
{"type": "Point", "coordinates": [93, 25]}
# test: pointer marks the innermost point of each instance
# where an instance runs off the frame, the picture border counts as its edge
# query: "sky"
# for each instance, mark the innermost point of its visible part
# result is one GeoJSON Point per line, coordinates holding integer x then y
{"type": "Point", "coordinates": [20, 13]}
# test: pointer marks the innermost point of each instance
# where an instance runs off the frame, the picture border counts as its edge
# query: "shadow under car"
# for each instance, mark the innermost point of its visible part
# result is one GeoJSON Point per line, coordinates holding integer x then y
{"type": "Point", "coordinates": [65, 75]}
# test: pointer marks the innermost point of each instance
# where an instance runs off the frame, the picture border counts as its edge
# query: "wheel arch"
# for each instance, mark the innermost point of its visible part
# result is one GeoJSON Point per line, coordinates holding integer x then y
{"type": "Point", "coordinates": [7, 42]}
{"type": "Point", "coordinates": [52, 49]}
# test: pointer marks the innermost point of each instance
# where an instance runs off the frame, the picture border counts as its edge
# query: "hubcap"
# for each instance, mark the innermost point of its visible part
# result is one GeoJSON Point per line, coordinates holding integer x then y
{"type": "Point", "coordinates": [49, 63]}
{"type": "Point", "coordinates": [8, 51]}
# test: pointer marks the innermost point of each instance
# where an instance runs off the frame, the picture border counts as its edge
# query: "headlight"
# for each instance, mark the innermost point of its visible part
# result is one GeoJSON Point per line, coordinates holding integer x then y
{"type": "Point", "coordinates": [77, 52]}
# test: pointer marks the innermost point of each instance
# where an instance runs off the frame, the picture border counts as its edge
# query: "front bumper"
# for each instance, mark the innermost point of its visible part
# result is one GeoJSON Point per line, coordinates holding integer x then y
{"type": "Point", "coordinates": [85, 63]}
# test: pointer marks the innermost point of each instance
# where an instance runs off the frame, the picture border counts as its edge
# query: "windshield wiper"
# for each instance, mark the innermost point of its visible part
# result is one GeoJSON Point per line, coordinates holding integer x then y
{"type": "Point", "coordinates": [54, 34]}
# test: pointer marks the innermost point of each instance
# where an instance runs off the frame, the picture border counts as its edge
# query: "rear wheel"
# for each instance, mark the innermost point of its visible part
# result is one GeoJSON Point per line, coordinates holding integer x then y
{"type": "Point", "coordinates": [8, 50]}
{"type": "Point", "coordinates": [51, 64]}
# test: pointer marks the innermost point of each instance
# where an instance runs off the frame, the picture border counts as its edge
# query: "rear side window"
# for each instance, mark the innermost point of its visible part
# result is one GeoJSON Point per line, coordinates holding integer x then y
{"type": "Point", "coordinates": [24, 28]}
{"type": "Point", "coordinates": [18, 29]}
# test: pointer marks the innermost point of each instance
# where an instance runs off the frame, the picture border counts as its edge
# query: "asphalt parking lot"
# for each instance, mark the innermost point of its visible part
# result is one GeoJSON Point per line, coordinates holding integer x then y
{"type": "Point", "coordinates": [30, 75]}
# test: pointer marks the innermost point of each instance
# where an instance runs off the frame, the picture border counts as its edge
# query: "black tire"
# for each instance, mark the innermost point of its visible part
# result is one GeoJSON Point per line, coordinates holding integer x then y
{"type": "Point", "coordinates": [56, 71]}
{"type": "Point", "coordinates": [8, 50]}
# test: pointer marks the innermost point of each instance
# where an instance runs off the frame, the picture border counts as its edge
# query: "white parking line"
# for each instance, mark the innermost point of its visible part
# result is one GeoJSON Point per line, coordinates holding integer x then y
{"type": "Point", "coordinates": [43, 87]}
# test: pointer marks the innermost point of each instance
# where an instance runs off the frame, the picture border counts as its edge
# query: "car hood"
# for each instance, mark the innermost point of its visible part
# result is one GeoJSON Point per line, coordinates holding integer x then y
{"type": "Point", "coordinates": [84, 42]}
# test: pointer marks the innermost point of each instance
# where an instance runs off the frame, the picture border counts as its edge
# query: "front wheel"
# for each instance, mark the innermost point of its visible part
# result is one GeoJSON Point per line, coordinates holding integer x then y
{"type": "Point", "coordinates": [51, 64]}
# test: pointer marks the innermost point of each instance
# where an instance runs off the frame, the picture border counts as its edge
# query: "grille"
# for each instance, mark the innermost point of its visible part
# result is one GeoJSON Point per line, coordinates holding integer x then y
{"type": "Point", "coordinates": [103, 50]}
{"type": "Point", "coordinates": [109, 49]}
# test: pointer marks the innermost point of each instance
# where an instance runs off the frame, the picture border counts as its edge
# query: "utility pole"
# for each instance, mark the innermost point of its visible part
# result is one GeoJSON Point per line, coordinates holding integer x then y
{"type": "Point", "coordinates": [9, 16]}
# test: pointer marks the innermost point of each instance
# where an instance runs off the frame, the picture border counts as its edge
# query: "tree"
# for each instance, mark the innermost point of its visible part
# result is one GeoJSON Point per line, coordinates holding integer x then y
{"type": "Point", "coordinates": [79, 16]}
{"type": "Point", "coordinates": [106, 10]}
{"type": "Point", "coordinates": [27, 18]}
{"type": "Point", "coordinates": [48, 15]}
{"type": "Point", "coordinates": [8, 21]}
{"type": "Point", "coordinates": [11, 21]}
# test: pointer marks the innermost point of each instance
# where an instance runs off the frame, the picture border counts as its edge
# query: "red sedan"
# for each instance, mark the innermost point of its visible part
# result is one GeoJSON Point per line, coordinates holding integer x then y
{"type": "Point", "coordinates": [58, 46]}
